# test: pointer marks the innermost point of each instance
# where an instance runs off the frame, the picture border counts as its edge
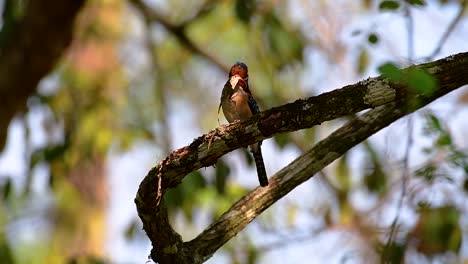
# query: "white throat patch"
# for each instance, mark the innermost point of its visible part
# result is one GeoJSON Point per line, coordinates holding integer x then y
{"type": "Point", "coordinates": [234, 80]}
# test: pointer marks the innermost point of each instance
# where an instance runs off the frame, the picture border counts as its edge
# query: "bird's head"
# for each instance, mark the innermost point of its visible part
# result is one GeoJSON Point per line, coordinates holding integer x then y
{"type": "Point", "coordinates": [239, 75]}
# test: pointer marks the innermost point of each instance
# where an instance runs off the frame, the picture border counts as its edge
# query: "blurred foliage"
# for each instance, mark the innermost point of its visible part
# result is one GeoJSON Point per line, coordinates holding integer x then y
{"type": "Point", "coordinates": [373, 38]}
{"type": "Point", "coordinates": [221, 176]}
{"type": "Point", "coordinates": [343, 174]}
{"type": "Point", "coordinates": [245, 9]}
{"type": "Point", "coordinates": [444, 155]}
{"type": "Point", "coordinates": [421, 81]}
{"type": "Point", "coordinates": [393, 253]}
{"type": "Point", "coordinates": [128, 79]}
{"type": "Point", "coordinates": [363, 61]}
{"type": "Point", "coordinates": [13, 10]}
{"type": "Point", "coordinates": [285, 46]}
{"type": "Point", "coordinates": [185, 196]}
{"type": "Point", "coordinates": [88, 91]}
{"type": "Point", "coordinates": [389, 5]}
{"type": "Point", "coordinates": [391, 72]}
{"type": "Point", "coordinates": [437, 231]}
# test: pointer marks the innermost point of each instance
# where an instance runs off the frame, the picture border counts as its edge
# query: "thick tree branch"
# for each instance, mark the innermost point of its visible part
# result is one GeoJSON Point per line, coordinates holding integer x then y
{"type": "Point", "coordinates": [390, 101]}
{"type": "Point", "coordinates": [297, 172]}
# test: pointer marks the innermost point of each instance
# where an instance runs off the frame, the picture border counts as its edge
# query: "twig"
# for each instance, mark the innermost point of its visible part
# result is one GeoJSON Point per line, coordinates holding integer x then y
{"type": "Point", "coordinates": [409, 32]}
{"type": "Point", "coordinates": [447, 32]}
{"type": "Point", "coordinates": [285, 242]}
{"type": "Point", "coordinates": [404, 182]}
{"type": "Point", "coordinates": [160, 90]}
{"type": "Point", "coordinates": [178, 31]}
{"type": "Point", "coordinates": [409, 142]}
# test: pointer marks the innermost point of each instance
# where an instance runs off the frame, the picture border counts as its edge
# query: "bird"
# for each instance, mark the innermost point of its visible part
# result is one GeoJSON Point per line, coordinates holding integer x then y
{"type": "Point", "coordinates": [238, 104]}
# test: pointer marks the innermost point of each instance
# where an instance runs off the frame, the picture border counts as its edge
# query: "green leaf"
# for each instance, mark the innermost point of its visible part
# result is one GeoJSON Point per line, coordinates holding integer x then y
{"type": "Point", "coordinates": [394, 252]}
{"type": "Point", "coordinates": [248, 156]}
{"type": "Point", "coordinates": [282, 140]}
{"type": "Point", "coordinates": [343, 173]}
{"type": "Point", "coordinates": [438, 230]}
{"type": "Point", "coordinates": [416, 2]}
{"type": "Point", "coordinates": [291, 215]}
{"type": "Point", "coordinates": [129, 232]}
{"type": "Point", "coordinates": [363, 61]}
{"type": "Point", "coordinates": [421, 81]}
{"type": "Point", "coordinates": [435, 122]}
{"type": "Point", "coordinates": [427, 172]}
{"type": "Point", "coordinates": [458, 159]}
{"type": "Point", "coordinates": [6, 188]}
{"type": "Point", "coordinates": [6, 253]}
{"type": "Point", "coordinates": [415, 78]}
{"type": "Point", "coordinates": [376, 181]}
{"type": "Point", "coordinates": [389, 5]}
{"type": "Point", "coordinates": [373, 38]}
{"type": "Point", "coordinates": [444, 140]}
{"type": "Point", "coordinates": [244, 10]}
{"type": "Point", "coordinates": [221, 176]}
{"type": "Point", "coordinates": [391, 72]}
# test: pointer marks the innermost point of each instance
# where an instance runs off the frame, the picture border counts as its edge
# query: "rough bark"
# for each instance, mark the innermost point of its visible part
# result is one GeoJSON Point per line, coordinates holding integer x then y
{"type": "Point", "coordinates": [29, 48]}
{"type": "Point", "coordinates": [388, 101]}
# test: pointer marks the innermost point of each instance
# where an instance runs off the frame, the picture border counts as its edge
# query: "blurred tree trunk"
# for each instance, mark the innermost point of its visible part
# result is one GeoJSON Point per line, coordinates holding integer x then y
{"type": "Point", "coordinates": [32, 39]}
{"type": "Point", "coordinates": [34, 36]}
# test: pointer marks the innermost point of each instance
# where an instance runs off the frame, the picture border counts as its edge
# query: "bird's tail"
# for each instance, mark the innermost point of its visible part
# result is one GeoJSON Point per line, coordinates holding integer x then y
{"type": "Point", "coordinates": [257, 154]}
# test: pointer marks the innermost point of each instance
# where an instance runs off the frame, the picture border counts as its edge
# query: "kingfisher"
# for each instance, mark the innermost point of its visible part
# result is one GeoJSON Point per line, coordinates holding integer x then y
{"type": "Point", "coordinates": [238, 104]}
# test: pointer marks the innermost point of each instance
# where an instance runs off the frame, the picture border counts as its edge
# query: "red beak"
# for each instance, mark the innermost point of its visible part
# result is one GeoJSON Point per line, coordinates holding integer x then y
{"type": "Point", "coordinates": [240, 81]}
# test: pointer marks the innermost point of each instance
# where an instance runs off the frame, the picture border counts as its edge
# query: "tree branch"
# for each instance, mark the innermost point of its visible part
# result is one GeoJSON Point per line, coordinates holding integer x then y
{"type": "Point", "coordinates": [391, 101]}
{"type": "Point", "coordinates": [297, 172]}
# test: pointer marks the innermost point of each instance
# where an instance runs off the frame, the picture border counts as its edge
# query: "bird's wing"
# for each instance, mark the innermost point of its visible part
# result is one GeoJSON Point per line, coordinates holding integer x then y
{"type": "Point", "coordinates": [253, 105]}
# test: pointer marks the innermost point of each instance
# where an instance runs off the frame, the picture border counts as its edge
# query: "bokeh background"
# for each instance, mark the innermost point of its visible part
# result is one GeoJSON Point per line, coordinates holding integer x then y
{"type": "Point", "coordinates": [142, 78]}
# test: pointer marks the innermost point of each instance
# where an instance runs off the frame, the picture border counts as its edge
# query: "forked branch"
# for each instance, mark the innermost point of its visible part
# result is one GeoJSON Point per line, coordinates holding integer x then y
{"type": "Point", "coordinates": [388, 102]}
